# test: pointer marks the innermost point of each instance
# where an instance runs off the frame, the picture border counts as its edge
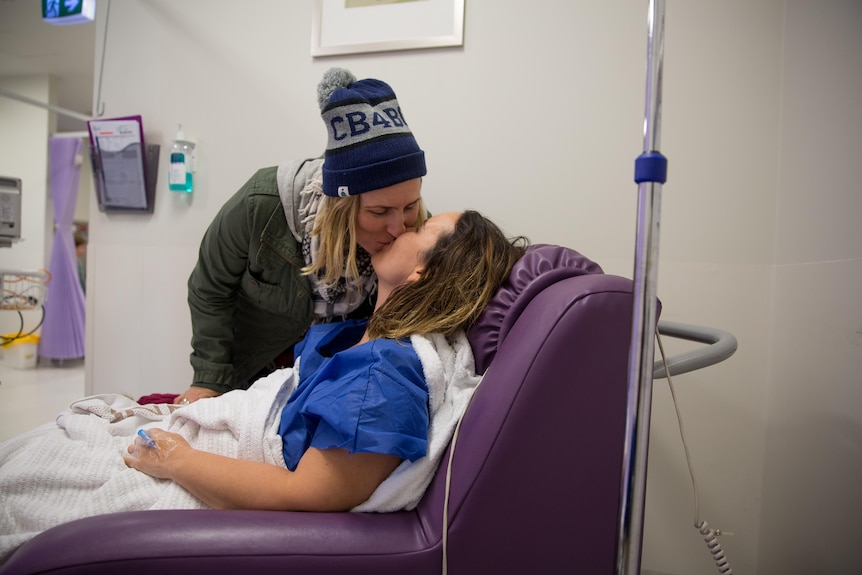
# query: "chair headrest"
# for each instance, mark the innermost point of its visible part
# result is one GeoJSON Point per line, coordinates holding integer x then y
{"type": "Point", "coordinates": [541, 266]}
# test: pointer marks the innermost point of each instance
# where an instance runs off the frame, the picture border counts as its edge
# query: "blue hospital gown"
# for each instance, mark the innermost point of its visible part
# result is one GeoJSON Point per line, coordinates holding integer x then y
{"type": "Point", "coordinates": [369, 398]}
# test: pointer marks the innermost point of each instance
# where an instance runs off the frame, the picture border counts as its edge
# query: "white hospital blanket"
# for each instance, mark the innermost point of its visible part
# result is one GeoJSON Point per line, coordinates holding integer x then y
{"type": "Point", "coordinates": [74, 468]}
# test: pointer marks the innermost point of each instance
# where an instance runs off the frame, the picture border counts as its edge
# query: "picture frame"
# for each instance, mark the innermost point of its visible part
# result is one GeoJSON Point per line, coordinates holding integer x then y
{"type": "Point", "coordinates": [363, 26]}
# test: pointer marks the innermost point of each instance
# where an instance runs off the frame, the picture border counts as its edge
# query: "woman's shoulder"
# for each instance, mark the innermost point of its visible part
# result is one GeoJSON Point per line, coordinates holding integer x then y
{"type": "Point", "coordinates": [263, 182]}
{"type": "Point", "coordinates": [297, 181]}
{"type": "Point", "coordinates": [394, 359]}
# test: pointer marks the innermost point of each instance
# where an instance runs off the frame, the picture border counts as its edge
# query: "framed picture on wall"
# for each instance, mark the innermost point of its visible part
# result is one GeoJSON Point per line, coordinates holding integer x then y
{"type": "Point", "coordinates": [360, 26]}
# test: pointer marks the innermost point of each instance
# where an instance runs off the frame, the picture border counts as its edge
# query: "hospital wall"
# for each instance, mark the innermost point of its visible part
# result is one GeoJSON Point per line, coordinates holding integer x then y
{"type": "Point", "coordinates": [24, 131]}
{"type": "Point", "coordinates": [536, 122]}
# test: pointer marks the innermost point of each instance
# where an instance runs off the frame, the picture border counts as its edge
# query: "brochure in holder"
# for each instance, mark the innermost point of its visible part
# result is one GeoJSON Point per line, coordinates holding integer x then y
{"type": "Point", "coordinates": [124, 167]}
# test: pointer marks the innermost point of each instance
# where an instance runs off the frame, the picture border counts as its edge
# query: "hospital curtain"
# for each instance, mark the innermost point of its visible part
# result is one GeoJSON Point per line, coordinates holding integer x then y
{"type": "Point", "coordinates": [62, 335]}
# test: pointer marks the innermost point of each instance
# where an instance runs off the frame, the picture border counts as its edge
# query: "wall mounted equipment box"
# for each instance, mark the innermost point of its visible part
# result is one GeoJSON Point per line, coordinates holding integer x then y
{"type": "Point", "coordinates": [10, 211]}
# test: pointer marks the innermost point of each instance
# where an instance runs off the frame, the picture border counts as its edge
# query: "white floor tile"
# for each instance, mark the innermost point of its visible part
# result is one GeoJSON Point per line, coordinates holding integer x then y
{"type": "Point", "coordinates": [32, 397]}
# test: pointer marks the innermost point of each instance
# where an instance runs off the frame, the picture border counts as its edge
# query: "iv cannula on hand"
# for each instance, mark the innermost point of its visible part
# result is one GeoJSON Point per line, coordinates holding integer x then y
{"type": "Point", "coordinates": [147, 439]}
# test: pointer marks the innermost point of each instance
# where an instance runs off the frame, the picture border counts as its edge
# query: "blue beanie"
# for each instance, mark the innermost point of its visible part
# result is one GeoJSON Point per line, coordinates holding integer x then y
{"type": "Point", "coordinates": [369, 145]}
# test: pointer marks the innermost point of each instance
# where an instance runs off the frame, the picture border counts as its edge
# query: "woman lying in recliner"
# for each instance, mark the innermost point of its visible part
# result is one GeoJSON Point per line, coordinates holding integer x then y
{"type": "Point", "coordinates": [354, 414]}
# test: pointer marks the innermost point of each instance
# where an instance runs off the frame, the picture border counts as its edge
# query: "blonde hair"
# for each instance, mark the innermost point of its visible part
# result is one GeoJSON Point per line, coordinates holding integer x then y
{"type": "Point", "coordinates": [462, 272]}
{"type": "Point", "coordinates": [335, 223]}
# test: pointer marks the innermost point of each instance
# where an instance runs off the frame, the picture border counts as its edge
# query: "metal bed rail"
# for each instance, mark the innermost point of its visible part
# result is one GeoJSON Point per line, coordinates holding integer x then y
{"type": "Point", "coordinates": [720, 345]}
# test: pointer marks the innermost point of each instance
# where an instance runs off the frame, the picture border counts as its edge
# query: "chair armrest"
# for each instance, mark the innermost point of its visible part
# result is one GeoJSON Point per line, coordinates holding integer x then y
{"type": "Point", "coordinates": [227, 542]}
{"type": "Point", "coordinates": [721, 345]}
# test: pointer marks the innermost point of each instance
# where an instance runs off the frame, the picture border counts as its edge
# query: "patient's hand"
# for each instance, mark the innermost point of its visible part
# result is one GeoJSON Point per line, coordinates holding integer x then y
{"type": "Point", "coordinates": [193, 394]}
{"type": "Point", "coordinates": [157, 459]}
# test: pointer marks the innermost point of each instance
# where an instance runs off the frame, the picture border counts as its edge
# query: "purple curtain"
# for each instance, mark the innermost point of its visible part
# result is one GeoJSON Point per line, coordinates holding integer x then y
{"type": "Point", "coordinates": [62, 335]}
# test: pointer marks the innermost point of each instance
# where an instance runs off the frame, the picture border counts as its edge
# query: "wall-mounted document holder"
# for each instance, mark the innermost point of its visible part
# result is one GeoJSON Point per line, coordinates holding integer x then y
{"type": "Point", "coordinates": [124, 166]}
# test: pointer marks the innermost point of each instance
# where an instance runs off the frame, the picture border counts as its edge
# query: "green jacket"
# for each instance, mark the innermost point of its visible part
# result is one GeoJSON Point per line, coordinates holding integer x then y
{"type": "Point", "coordinates": [247, 299]}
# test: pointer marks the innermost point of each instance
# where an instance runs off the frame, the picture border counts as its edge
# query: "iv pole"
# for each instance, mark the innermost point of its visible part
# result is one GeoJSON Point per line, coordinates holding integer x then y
{"type": "Point", "coordinates": [650, 174]}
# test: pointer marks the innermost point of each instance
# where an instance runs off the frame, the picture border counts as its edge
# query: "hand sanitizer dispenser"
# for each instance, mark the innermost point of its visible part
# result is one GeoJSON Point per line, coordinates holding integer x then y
{"type": "Point", "coordinates": [182, 165]}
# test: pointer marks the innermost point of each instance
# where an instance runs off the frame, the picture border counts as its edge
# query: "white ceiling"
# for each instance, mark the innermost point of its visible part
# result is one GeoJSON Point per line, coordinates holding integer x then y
{"type": "Point", "coordinates": [30, 46]}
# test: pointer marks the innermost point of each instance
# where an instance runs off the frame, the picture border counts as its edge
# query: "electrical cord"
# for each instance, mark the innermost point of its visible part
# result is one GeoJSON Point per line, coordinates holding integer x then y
{"type": "Point", "coordinates": [445, 535]}
{"type": "Point", "coordinates": [710, 536]}
{"type": "Point", "coordinates": [4, 339]}
{"type": "Point", "coordinates": [24, 298]}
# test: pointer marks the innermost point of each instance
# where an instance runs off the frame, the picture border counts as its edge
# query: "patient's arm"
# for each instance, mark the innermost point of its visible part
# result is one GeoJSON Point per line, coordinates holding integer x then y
{"type": "Point", "coordinates": [324, 480]}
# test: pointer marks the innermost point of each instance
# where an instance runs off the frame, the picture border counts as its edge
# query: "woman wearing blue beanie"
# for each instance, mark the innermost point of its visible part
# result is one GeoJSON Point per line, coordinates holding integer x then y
{"type": "Point", "coordinates": [293, 246]}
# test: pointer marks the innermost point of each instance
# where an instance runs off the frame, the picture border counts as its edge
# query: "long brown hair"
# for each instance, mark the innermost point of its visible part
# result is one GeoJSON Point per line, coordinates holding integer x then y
{"type": "Point", "coordinates": [461, 273]}
{"type": "Point", "coordinates": [336, 225]}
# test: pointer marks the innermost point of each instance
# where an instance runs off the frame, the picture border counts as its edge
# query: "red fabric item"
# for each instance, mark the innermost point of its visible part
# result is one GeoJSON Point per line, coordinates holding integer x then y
{"type": "Point", "coordinates": [284, 359]}
{"type": "Point", "coordinates": [158, 398]}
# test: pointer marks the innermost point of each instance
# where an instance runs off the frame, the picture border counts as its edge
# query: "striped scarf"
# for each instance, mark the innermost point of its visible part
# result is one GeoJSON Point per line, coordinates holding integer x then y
{"type": "Point", "coordinates": [331, 301]}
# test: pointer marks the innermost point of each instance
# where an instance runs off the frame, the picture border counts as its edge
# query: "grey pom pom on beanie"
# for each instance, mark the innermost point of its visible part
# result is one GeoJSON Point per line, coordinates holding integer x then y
{"type": "Point", "coordinates": [369, 144]}
{"type": "Point", "coordinates": [333, 79]}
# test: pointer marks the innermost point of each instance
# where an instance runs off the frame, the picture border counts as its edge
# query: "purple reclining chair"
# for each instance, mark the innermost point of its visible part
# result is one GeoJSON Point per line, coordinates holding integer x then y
{"type": "Point", "coordinates": [535, 479]}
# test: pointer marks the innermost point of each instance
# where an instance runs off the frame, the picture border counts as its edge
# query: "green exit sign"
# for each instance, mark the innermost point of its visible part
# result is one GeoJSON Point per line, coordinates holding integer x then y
{"type": "Point", "coordinates": [66, 12]}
